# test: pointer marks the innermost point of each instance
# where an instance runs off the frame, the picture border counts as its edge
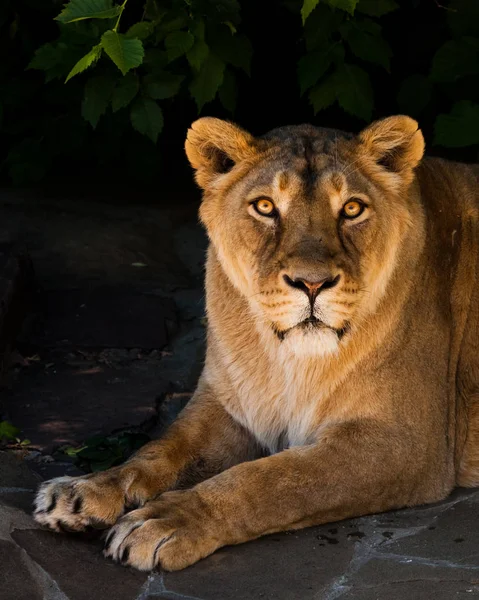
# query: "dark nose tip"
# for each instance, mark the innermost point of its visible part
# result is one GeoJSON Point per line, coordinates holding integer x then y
{"type": "Point", "coordinates": [311, 288]}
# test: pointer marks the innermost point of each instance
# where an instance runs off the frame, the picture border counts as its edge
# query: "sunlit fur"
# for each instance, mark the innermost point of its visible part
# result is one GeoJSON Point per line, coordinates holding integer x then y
{"type": "Point", "coordinates": [369, 406]}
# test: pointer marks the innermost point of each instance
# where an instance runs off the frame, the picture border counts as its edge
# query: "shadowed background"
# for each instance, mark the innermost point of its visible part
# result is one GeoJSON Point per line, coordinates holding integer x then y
{"type": "Point", "coordinates": [353, 60]}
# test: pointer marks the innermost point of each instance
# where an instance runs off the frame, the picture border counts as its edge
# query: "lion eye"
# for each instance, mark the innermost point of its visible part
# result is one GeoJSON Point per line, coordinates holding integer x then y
{"type": "Point", "coordinates": [264, 207]}
{"type": "Point", "coordinates": [352, 209]}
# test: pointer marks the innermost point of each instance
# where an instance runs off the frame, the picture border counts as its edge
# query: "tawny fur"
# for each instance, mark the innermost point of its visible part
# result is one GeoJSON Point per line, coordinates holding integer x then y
{"type": "Point", "coordinates": [371, 404]}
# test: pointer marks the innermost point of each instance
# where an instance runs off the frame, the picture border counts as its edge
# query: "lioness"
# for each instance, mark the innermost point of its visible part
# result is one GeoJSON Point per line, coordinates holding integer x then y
{"type": "Point", "coordinates": [342, 369]}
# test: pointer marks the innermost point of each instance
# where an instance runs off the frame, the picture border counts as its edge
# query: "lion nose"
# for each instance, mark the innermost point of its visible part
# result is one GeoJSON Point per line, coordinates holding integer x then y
{"type": "Point", "coordinates": [311, 288]}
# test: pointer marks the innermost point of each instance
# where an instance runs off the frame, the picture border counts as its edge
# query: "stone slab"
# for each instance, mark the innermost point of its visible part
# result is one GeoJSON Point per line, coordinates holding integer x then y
{"type": "Point", "coordinates": [64, 398]}
{"type": "Point", "coordinates": [400, 555]}
{"type": "Point", "coordinates": [53, 467]}
{"type": "Point", "coordinates": [78, 566]}
{"type": "Point", "coordinates": [17, 499]}
{"type": "Point", "coordinates": [97, 240]}
{"type": "Point", "coordinates": [452, 536]}
{"type": "Point", "coordinates": [105, 316]}
{"type": "Point", "coordinates": [16, 291]}
{"type": "Point", "coordinates": [14, 472]}
{"type": "Point", "coordinates": [394, 580]}
{"type": "Point", "coordinates": [16, 581]}
{"type": "Point", "coordinates": [289, 566]}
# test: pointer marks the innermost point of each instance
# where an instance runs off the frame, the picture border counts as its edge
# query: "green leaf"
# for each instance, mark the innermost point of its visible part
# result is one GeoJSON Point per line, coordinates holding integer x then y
{"type": "Point", "coordinates": [231, 27]}
{"type": "Point", "coordinates": [81, 32]}
{"type": "Point", "coordinates": [155, 59]}
{"type": "Point", "coordinates": [218, 11]}
{"type": "Point", "coordinates": [370, 26]}
{"type": "Point", "coordinates": [207, 82]}
{"type": "Point", "coordinates": [414, 94]}
{"type": "Point", "coordinates": [46, 57]}
{"type": "Point", "coordinates": [94, 454]}
{"type": "Point", "coordinates": [96, 440]}
{"type": "Point", "coordinates": [140, 30]}
{"type": "Point", "coordinates": [198, 54]}
{"type": "Point", "coordinates": [456, 59]}
{"type": "Point", "coordinates": [8, 431]}
{"type": "Point", "coordinates": [366, 46]}
{"type": "Point", "coordinates": [174, 20]}
{"type": "Point", "coordinates": [199, 51]}
{"type": "Point", "coordinates": [377, 8]}
{"type": "Point", "coordinates": [354, 92]}
{"type": "Point", "coordinates": [307, 9]}
{"type": "Point", "coordinates": [125, 53]}
{"type": "Point", "coordinates": [163, 85]}
{"type": "Point", "coordinates": [97, 466]}
{"type": "Point", "coordinates": [321, 26]}
{"type": "Point", "coordinates": [234, 50]}
{"type": "Point", "coordinates": [153, 11]}
{"type": "Point", "coordinates": [137, 440]}
{"type": "Point", "coordinates": [147, 118]}
{"type": "Point", "coordinates": [323, 95]}
{"type": "Point", "coordinates": [239, 53]}
{"type": "Point", "coordinates": [97, 95]}
{"type": "Point", "coordinates": [463, 17]}
{"type": "Point", "coordinates": [124, 92]}
{"type": "Point", "coordinates": [228, 92]}
{"type": "Point", "coordinates": [346, 5]}
{"type": "Point", "coordinates": [460, 128]}
{"type": "Point", "coordinates": [77, 10]}
{"type": "Point", "coordinates": [178, 43]}
{"type": "Point", "coordinates": [56, 59]}
{"type": "Point", "coordinates": [311, 67]}
{"type": "Point", "coordinates": [87, 61]}
{"type": "Point", "coordinates": [71, 450]}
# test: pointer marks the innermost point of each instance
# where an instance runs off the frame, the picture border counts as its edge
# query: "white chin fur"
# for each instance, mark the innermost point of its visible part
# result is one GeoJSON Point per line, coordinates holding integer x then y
{"type": "Point", "coordinates": [314, 343]}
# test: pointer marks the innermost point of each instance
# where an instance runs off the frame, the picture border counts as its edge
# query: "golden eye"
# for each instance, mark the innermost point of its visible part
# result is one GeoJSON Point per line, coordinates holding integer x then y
{"type": "Point", "coordinates": [352, 209]}
{"type": "Point", "coordinates": [264, 207]}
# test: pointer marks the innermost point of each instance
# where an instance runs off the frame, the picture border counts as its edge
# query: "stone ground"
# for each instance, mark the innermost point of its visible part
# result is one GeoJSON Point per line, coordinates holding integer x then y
{"type": "Point", "coordinates": [116, 342]}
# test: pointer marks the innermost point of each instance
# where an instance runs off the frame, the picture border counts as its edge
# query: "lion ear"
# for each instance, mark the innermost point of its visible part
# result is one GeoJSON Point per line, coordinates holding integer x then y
{"type": "Point", "coordinates": [395, 144]}
{"type": "Point", "coordinates": [214, 146]}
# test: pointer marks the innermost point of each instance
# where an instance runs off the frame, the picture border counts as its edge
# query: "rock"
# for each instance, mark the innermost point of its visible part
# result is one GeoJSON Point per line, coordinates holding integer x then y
{"type": "Point", "coordinates": [16, 292]}
{"type": "Point", "coordinates": [295, 565]}
{"type": "Point", "coordinates": [17, 487]}
{"type": "Point", "coordinates": [107, 316]}
{"type": "Point", "coordinates": [89, 257]}
{"type": "Point", "coordinates": [17, 582]}
{"type": "Point", "coordinates": [73, 400]}
{"type": "Point", "coordinates": [72, 240]}
{"type": "Point", "coordinates": [452, 536]}
{"type": "Point", "coordinates": [78, 567]}
{"type": "Point", "coordinates": [55, 468]}
{"type": "Point", "coordinates": [14, 472]}
{"type": "Point", "coordinates": [396, 580]}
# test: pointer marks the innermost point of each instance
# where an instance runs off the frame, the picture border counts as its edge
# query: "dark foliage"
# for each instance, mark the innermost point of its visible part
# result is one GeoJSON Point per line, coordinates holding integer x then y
{"type": "Point", "coordinates": [95, 91]}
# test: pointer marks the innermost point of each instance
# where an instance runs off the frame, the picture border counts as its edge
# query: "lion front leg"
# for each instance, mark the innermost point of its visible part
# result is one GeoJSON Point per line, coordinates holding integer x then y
{"type": "Point", "coordinates": [355, 469]}
{"type": "Point", "coordinates": [203, 441]}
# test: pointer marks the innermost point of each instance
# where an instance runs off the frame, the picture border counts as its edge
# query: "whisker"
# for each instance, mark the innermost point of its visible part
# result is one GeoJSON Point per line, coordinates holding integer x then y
{"type": "Point", "coordinates": [346, 170]}
{"type": "Point", "coordinates": [254, 295]}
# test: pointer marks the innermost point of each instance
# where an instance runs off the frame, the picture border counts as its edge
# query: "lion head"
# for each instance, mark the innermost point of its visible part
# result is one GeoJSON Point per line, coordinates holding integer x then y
{"type": "Point", "coordinates": [307, 222]}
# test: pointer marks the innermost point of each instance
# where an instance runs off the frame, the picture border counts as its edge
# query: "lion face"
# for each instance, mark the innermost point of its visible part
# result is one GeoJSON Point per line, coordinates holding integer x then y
{"type": "Point", "coordinates": [306, 222]}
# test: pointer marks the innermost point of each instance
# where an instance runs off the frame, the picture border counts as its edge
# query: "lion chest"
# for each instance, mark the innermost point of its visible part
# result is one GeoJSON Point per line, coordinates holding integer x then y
{"type": "Point", "coordinates": [280, 413]}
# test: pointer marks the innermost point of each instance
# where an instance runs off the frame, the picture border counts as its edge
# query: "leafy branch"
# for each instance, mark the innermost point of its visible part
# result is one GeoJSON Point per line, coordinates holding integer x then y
{"type": "Point", "coordinates": [155, 55]}
{"type": "Point", "coordinates": [132, 65]}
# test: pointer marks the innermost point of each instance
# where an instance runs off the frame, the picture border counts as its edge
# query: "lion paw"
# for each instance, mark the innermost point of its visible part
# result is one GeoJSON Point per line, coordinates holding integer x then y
{"type": "Point", "coordinates": [168, 532]}
{"type": "Point", "coordinates": [78, 503]}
